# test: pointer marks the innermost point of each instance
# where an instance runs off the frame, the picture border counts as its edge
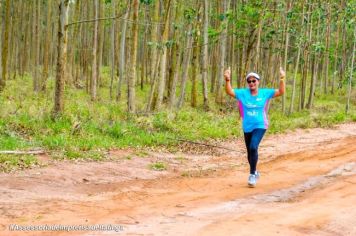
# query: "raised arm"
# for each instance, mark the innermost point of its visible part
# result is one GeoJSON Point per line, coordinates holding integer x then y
{"type": "Point", "coordinates": [228, 88]}
{"type": "Point", "coordinates": [281, 89]}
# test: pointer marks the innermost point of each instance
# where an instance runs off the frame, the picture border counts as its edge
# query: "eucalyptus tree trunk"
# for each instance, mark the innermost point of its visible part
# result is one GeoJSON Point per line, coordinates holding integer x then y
{"type": "Point", "coordinates": [306, 58]}
{"type": "Point", "coordinates": [205, 54]}
{"type": "Point", "coordinates": [143, 55]}
{"type": "Point", "coordinates": [101, 35]}
{"type": "Point", "coordinates": [294, 81]}
{"type": "Point", "coordinates": [122, 71]}
{"type": "Point", "coordinates": [314, 70]}
{"type": "Point", "coordinates": [154, 39]}
{"type": "Point", "coordinates": [258, 45]}
{"type": "Point", "coordinates": [219, 89]}
{"type": "Point", "coordinates": [289, 5]}
{"type": "Point", "coordinates": [213, 60]}
{"type": "Point", "coordinates": [327, 54]}
{"type": "Point", "coordinates": [94, 77]}
{"type": "Point", "coordinates": [351, 72]}
{"type": "Point", "coordinates": [61, 58]}
{"type": "Point", "coordinates": [12, 65]}
{"type": "Point", "coordinates": [335, 68]}
{"type": "Point", "coordinates": [162, 78]}
{"type": "Point", "coordinates": [131, 93]}
{"type": "Point", "coordinates": [21, 40]}
{"type": "Point", "coordinates": [195, 65]}
{"type": "Point", "coordinates": [175, 63]}
{"type": "Point", "coordinates": [75, 65]}
{"type": "Point", "coordinates": [112, 51]}
{"type": "Point", "coordinates": [46, 55]}
{"type": "Point", "coordinates": [186, 59]}
{"type": "Point", "coordinates": [195, 60]}
{"type": "Point", "coordinates": [172, 95]}
{"type": "Point", "coordinates": [291, 108]}
{"type": "Point", "coordinates": [36, 78]}
{"type": "Point", "coordinates": [5, 46]}
{"type": "Point", "coordinates": [343, 54]}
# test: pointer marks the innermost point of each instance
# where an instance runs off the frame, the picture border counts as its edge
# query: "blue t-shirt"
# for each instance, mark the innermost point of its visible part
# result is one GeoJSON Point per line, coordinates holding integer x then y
{"type": "Point", "coordinates": [253, 109]}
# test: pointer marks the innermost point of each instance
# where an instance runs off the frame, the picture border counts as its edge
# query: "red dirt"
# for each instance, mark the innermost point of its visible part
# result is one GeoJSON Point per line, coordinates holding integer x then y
{"type": "Point", "coordinates": [307, 187]}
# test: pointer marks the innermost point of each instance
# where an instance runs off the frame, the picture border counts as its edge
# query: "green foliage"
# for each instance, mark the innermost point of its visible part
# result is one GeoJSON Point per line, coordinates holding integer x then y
{"type": "Point", "coordinates": [147, 2]}
{"type": "Point", "coordinates": [159, 166]}
{"type": "Point", "coordinates": [189, 14]}
{"type": "Point", "coordinates": [318, 47]}
{"type": "Point", "coordinates": [212, 32]}
{"type": "Point", "coordinates": [16, 162]}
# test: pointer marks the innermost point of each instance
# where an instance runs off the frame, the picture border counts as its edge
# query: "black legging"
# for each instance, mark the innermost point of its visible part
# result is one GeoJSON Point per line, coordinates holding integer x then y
{"type": "Point", "coordinates": [252, 140]}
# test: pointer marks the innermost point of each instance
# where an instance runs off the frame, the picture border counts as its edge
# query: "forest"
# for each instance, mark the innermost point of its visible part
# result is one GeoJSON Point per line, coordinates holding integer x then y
{"type": "Point", "coordinates": [85, 75]}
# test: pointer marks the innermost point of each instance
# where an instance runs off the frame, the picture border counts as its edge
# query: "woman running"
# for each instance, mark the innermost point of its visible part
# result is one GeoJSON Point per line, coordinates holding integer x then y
{"type": "Point", "coordinates": [253, 103]}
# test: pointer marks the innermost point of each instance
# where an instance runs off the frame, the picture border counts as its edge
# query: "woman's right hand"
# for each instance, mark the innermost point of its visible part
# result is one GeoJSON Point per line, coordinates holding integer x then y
{"type": "Point", "coordinates": [227, 74]}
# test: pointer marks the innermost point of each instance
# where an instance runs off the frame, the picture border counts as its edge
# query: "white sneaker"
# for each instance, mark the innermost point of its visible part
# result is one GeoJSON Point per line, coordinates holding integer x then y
{"type": "Point", "coordinates": [257, 174]}
{"type": "Point", "coordinates": [252, 181]}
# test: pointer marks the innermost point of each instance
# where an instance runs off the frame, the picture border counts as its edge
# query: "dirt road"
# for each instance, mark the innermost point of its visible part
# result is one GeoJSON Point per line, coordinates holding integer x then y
{"type": "Point", "coordinates": [307, 187]}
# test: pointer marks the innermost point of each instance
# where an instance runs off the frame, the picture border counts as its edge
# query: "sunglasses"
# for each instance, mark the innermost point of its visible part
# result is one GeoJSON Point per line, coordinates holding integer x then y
{"type": "Point", "coordinates": [251, 81]}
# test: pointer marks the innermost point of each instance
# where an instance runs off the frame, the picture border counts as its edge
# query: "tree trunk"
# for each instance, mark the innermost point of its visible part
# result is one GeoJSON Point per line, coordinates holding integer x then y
{"type": "Point", "coordinates": [144, 52]}
{"type": "Point", "coordinates": [172, 95]}
{"type": "Point", "coordinates": [335, 57]}
{"type": "Point", "coordinates": [219, 89]}
{"type": "Point", "coordinates": [112, 51]}
{"type": "Point", "coordinates": [162, 78]}
{"type": "Point", "coordinates": [101, 39]}
{"type": "Point", "coordinates": [5, 46]}
{"type": "Point", "coordinates": [351, 72]}
{"type": "Point", "coordinates": [213, 69]}
{"type": "Point", "coordinates": [314, 70]}
{"type": "Point", "coordinates": [73, 71]}
{"type": "Point", "coordinates": [132, 76]}
{"type": "Point", "coordinates": [289, 5]}
{"type": "Point", "coordinates": [205, 54]}
{"type": "Point", "coordinates": [327, 54]}
{"type": "Point", "coordinates": [294, 82]}
{"type": "Point", "coordinates": [94, 71]}
{"type": "Point", "coordinates": [175, 63]}
{"type": "Point", "coordinates": [61, 58]}
{"type": "Point", "coordinates": [186, 60]}
{"type": "Point", "coordinates": [258, 46]}
{"type": "Point", "coordinates": [36, 78]}
{"type": "Point", "coordinates": [195, 64]}
{"type": "Point", "coordinates": [306, 61]}
{"type": "Point", "coordinates": [122, 71]}
{"type": "Point", "coordinates": [46, 47]}
{"type": "Point", "coordinates": [299, 45]}
{"type": "Point", "coordinates": [154, 39]}
{"type": "Point", "coordinates": [344, 51]}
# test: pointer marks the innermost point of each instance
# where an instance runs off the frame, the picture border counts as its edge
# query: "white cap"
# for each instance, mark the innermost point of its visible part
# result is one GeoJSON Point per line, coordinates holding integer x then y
{"type": "Point", "coordinates": [253, 74]}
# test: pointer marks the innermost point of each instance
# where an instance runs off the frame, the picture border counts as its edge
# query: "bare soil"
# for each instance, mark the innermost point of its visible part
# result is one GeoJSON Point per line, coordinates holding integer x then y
{"type": "Point", "coordinates": [307, 187]}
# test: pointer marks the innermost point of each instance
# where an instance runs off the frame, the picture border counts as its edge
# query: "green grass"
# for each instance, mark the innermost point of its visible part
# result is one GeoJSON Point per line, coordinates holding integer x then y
{"type": "Point", "coordinates": [87, 129]}
{"type": "Point", "coordinates": [159, 166]}
{"type": "Point", "coordinates": [17, 162]}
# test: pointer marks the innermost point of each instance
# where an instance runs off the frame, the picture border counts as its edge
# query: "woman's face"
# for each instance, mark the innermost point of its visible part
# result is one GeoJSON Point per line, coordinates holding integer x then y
{"type": "Point", "coordinates": [252, 83]}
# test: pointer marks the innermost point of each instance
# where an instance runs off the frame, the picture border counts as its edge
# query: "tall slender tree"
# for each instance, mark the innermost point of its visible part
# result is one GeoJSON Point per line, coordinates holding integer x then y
{"type": "Point", "coordinates": [94, 77]}
{"type": "Point", "coordinates": [132, 76]}
{"type": "Point", "coordinates": [5, 46]}
{"type": "Point", "coordinates": [46, 46]}
{"type": "Point", "coordinates": [205, 54]}
{"type": "Point", "coordinates": [61, 58]}
{"type": "Point", "coordinates": [162, 78]}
